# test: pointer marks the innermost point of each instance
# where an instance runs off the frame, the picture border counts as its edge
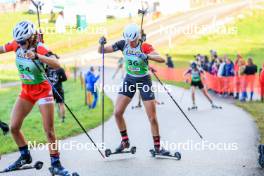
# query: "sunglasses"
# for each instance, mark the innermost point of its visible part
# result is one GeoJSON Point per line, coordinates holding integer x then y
{"type": "Point", "coordinates": [23, 42]}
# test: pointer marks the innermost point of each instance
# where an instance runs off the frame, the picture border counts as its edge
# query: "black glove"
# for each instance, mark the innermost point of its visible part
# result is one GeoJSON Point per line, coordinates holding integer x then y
{"type": "Point", "coordinates": [144, 37]}
{"type": "Point", "coordinates": [102, 41]}
{"type": "Point", "coordinates": [4, 127]}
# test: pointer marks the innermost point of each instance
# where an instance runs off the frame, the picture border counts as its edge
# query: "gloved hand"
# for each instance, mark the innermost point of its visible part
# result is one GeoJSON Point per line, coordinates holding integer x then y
{"type": "Point", "coordinates": [142, 56]}
{"type": "Point", "coordinates": [102, 41]}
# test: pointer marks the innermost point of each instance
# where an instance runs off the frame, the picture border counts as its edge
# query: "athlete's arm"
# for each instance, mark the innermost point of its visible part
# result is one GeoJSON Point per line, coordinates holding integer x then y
{"type": "Point", "coordinates": [151, 53]}
{"type": "Point", "coordinates": [187, 72]}
{"type": "Point", "coordinates": [154, 56]}
{"type": "Point", "coordinates": [51, 61]}
{"type": "Point", "coordinates": [11, 46]}
{"type": "Point", "coordinates": [119, 45]}
{"type": "Point", "coordinates": [107, 49]}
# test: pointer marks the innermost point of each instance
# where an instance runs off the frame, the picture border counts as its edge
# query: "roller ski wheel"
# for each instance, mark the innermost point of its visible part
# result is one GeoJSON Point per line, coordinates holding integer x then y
{"type": "Point", "coordinates": [23, 164]}
{"type": "Point", "coordinates": [61, 171]}
{"type": "Point", "coordinates": [123, 148]}
{"type": "Point", "coordinates": [193, 108]}
{"type": "Point", "coordinates": [108, 152]}
{"type": "Point", "coordinates": [137, 107]}
{"type": "Point", "coordinates": [261, 155]}
{"type": "Point", "coordinates": [165, 154]}
{"type": "Point", "coordinates": [216, 107]}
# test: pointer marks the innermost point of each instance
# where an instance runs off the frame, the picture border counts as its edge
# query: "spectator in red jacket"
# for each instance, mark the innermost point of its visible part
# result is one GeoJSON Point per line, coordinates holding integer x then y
{"type": "Point", "coordinates": [261, 78]}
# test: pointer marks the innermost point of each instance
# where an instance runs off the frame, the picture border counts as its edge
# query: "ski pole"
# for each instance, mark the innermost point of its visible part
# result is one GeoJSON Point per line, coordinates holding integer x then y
{"type": "Point", "coordinates": [68, 108]}
{"type": "Point", "coordinates": [55, 90]}
{"type": "Point", "coordinates": [103, 98]}
{"type": "Point", "coordinates": [142, 20]}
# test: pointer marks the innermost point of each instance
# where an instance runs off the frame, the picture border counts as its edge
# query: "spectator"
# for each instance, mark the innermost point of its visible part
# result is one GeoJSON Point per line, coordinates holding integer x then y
{"type": "Point", "coordinates": [56, 77]}
{"type": "Point", "coordinates": [90, 80]}
{"type": "Point", "coordinates": [169, 62]}
{"type": "Point", "coordinates": [228, 69]}
{"type": "Point", "coordinates": [213, 54]}
{"type": "Point", "coordinates": [206, 64]}
{"type": "Point", "coordinates": [250, 70]}
{"type": "Point", "coordinates": [237, 76]}
{"type": "Point", "coordinates": [60, 24]}
{"type": "Point", "coordinates": [261, 78]}
{"type": "Point", "coordinates": [221, 68]}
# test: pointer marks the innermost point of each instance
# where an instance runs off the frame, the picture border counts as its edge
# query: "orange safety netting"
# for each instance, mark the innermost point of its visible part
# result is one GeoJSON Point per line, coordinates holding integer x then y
{"type": "Point", "coordinates": [233, 84]}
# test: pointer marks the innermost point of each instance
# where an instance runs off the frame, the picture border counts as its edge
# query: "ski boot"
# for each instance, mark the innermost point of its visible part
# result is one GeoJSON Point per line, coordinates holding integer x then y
{"type": "Point", "coordinates": [124, 145]}
{"type": "Point", "coordinates": [194, 107]}
{"type": "Point", "coordinates": [57, 169]}
{"type": "Point", "coordinates": [121, 149]}
{"type": "Point", "coordinates": [216, 107]}
{"type": "Point", "coordinates": [164, 153]}
{"type": "Point", "coordinates": [22, 160]}
{"type": "Point", "coordinates": [261, 155]}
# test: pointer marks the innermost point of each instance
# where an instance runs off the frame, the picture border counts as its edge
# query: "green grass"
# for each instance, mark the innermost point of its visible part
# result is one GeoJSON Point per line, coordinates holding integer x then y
{"type": "Point", "coordinates": [62, 43]}
{"type": "Point", "coordinates": [8, 76]}
{"type": "Point", "coordinates": [32, 126]}
{"type": "Point", "coordinates": [257, 111]}
{"type": "Point", "coordinates": [248, 41]}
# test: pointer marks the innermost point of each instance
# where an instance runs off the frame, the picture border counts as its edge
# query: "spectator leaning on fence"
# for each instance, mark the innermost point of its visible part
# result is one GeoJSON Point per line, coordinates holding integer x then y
{"type": "Point", "coordinates": [261, 79]}
{"type": "Point", "coordinates": [169, 61]}
{"type": "Point", "coordinates": [221, 67]}
{"type": "Point", "coordinates": [237, 76]}
{"type": "Point", "coordinates": [250, 70]}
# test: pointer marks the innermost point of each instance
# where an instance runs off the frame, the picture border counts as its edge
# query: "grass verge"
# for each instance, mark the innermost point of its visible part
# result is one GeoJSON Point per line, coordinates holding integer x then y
{"type": "Point", "coordinates": [32, 127]}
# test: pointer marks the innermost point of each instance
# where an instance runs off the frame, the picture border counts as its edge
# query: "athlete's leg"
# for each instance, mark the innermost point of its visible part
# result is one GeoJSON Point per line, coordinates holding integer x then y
{"type": "Point", "coordinates": [20, 111]}
{"type": "Point", "coordinates": [117, 70]}
{"type": "Point", "coordinates": [47, 113]}
{"type": "Point", "coordinates": [120, 107]}
{"type": "Point", "coordinates": [204, 90]}
{"type": "Point", "coordinates": [193, 94]}
{"type": "Point", "coordinates": [150, 107]}
{"type": "Point", "coordinates": [62, 110]}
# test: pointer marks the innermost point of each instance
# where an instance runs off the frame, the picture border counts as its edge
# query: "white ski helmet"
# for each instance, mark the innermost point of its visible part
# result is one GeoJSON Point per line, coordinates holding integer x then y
{"type": "Point", "coordinates": [23, 31]}
{"type": "Point", "coordinates": [131, 32]}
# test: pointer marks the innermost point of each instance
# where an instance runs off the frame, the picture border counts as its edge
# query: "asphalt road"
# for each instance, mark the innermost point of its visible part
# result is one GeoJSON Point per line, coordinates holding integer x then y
{"type": "Point", "coordinates": [231, 128]}
{"type": "Point", "coordinates": [228, 127]}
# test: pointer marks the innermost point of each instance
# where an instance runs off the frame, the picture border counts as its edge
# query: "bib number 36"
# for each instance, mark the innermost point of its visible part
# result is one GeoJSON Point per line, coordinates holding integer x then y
{"type": "Point", "coordinates": [135, 63]}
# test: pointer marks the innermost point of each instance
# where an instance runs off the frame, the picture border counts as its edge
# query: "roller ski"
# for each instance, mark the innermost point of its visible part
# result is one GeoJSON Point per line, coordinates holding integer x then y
{"type": "Point", "coordinates": [164, 153]}
{"type": "Point", "coordinates": [137, 107]}
{"type": "Point", "coordinates": [123, 148]}
{"type": "Point", "coordinates": [60, 171]}
{"type": "Point", "coordinates": [23, 163]}
{"type": "Point", "coordinates": [261, 155]}
{"type": "Point", "coordinates": [194, 107]}
{"type": "Point", "coordinates": [216, 107]}
{"type": "Point", "coordinates": [4, 127]}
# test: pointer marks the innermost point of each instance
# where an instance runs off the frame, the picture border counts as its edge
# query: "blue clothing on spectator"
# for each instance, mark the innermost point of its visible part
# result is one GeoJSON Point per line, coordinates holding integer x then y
{"type": "Point", "coordinates": [228, 70]}
{"type": "Point", "coordinates": [90, 80]}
